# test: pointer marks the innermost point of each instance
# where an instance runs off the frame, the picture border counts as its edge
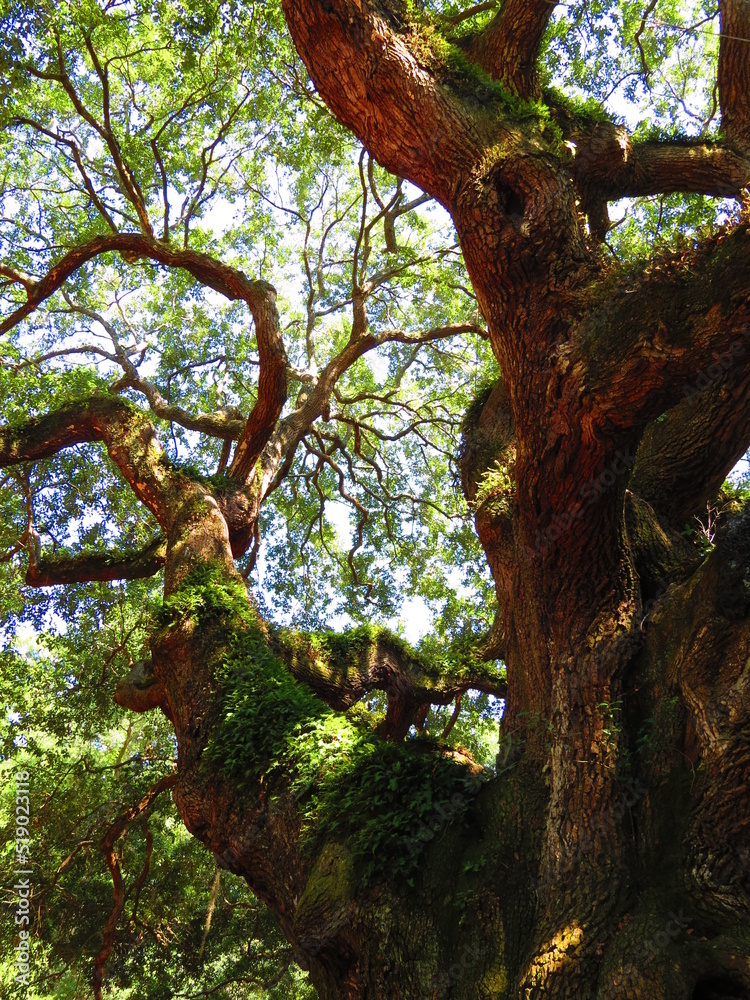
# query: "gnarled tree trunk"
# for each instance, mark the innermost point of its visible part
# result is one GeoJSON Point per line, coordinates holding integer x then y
{"type": "Point", "coordinates": [610, 856]}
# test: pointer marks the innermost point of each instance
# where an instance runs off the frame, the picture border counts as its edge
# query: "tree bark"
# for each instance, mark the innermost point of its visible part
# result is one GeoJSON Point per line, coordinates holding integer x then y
{"type": "Point", "coordinates": [608, 856]}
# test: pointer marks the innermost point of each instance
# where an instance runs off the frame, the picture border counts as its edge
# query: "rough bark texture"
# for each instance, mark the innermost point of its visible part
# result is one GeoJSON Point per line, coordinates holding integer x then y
{"type": "Point", "coordinates": [609, 858]}
{"type": "Point", "coordinates": [105, 566]}
{"type": "Point", "coordinates": [508, 47]}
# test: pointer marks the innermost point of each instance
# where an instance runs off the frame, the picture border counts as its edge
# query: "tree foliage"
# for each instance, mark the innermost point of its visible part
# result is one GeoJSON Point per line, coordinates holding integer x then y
{"type": "Point", "coordinates": [163, 163]}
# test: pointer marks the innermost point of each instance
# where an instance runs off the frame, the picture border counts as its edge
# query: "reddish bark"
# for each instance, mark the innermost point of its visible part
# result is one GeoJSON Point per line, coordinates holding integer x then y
{"type": "Point", "coordinates": [610, 627]}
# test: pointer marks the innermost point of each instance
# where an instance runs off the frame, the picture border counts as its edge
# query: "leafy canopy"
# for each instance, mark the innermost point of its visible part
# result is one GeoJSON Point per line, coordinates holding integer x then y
{"type": "Point", "coordinates": [199, 118]}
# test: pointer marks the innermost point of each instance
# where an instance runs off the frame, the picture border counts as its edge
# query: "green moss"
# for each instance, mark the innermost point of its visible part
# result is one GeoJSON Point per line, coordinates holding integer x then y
{"type": "Point", "coordinates": [212, 596]}
{"type": "Point", "coordinates": [339, 654]}
{"type": "Point", "coordinates": [220, 481]}
{"type": "Point", "coordinates": [575, 110]}
{"type": "Point", "coordinates": [474, 409]}
{"type": "Point", "coordinates": [368, 793]}
{"type": "Point", "coordinates": [348, 782]}
{"type": "Point", "coordinates": [451, 66]}
{"type": "Point", "coordinates": [343, 650]}
{"type": "Point", "coordinates": [328, 885]}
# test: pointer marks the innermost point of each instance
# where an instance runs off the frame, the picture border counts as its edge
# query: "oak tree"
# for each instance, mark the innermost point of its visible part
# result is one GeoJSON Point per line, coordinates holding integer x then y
{"type": "Point", "coordinates": [606, 854]}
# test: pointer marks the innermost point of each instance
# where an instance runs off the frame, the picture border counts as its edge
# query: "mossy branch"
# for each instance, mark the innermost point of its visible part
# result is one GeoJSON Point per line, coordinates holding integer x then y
{"type": "Point", "coordinates": [98, 566]}
{"type": "Point", "coordinates": [341, 669]}
{"type": "Point", "coordinates": [126, 432]}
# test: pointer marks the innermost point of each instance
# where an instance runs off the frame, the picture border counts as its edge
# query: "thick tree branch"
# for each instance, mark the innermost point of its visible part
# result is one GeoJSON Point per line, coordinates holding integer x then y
{"type": "Point", "coordinates": [272, 391]}
{"type": "Point", "coordinates": [378, 88]}
{"type": "Point", "coordinates": [684, 458]}
{"type": "Point", "coordinates": [342, 669]}
{"type": "Point", "coordinates": [222, 423]}
{"type": "Point", "coordinates": [494, 645]}
{"type": "Point", "coordinates": [87, 567]}
{"type": "Point", "coordinates": [16, 278]}
{"type": "Point", "coordinates": [228, 281]}
{"type": "Point", "coordinates": [127, 434]}
{"type": "Point", "coordinates": [608, 165]}
{"type": "Point", "coordinates": [646, 340]}
{"type": "Point", "coordinates": [734, 72]}
{"type": "Point", "coordinates": [132, 445]}
{"type": "Point", "coordinates": [508, 47]}
{"type": "Point", "coordinates": [259, 296]}
{"type": "Point", "coordinates": [453, 719]}
{"type": "Point", "coordinates": [113, 863]}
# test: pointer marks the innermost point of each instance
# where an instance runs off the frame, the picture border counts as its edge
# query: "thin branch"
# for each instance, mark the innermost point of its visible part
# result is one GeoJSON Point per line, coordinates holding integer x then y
{"type": "Point", "coordinates": [63, 353]}
{"type": "Point", "coordinates": [637, 39]}
{"type": "Point", "coordinates": [210, 912]}
{"type": "Point", "coordinates": [243, 980]}
{"type": "Point", "coordinates": [78, 160]}
{"type": "Point", "coordinates": [453, 719]}
{"type": "Point", "coordinates": [126, 175]}
{"type": "Point", "coordinates": [220, 424]}
{"type": "Point", "coordinates": [116, 830]}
